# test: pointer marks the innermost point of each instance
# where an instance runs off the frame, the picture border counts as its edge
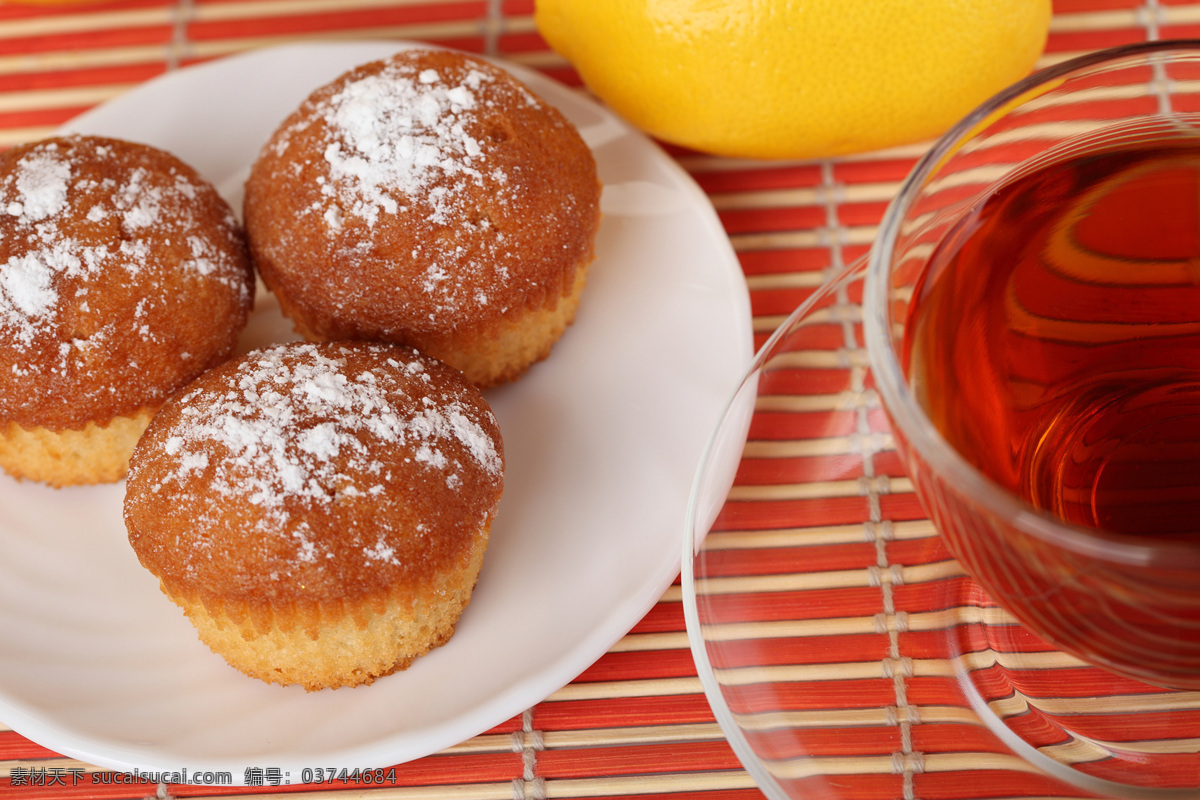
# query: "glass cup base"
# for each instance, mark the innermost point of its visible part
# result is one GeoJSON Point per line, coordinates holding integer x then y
{"type": "Point", "coordinates": [1100, 732]}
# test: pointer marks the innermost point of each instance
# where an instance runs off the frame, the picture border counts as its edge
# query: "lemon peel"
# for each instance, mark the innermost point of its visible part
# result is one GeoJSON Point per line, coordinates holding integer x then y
{"type": "Point", "coordinates": [795, 78]}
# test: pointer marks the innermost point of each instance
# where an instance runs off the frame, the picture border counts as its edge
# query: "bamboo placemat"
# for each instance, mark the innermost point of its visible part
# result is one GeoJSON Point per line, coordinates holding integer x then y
{"type": "Point", "coordinates": [636, 722]}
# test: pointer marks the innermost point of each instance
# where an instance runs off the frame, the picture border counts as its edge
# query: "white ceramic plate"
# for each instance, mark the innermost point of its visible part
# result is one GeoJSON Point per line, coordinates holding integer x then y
{"type": "Point", "coordinates": [602, 441]}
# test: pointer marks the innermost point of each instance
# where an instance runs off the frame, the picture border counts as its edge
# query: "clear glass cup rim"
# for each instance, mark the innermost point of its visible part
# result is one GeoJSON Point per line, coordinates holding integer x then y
{"type": "Point", "coordinates": [906, 413]}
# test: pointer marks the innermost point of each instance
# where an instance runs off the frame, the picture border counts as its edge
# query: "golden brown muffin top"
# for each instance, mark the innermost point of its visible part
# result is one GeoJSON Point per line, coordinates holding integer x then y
{"type": "Point", "coordinates": [421, 192]}
{"type": "Point", "coordinates": [309, 473]}
{"type": "Point", "coordinates": [123, 274]}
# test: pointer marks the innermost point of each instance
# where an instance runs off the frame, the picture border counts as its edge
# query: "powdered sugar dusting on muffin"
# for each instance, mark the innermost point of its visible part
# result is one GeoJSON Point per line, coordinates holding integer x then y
{"type": "Point", "coordinates": [396, 132]}
{"type": "Point", "coordinates": [41, 183]}
{"type": "Point", "coordinates": [298, 423]}
{"type": "Point", "coordinates": [37, 190]}
{"type": "Point", "coordinates": [410, 140]}
{"type": "Point", "coordinates": [35, 199]}
{"type": "Point", "coordinates": [122, 275]}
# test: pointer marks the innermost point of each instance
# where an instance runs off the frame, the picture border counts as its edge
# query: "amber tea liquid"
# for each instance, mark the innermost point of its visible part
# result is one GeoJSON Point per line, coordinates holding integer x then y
{"type": "Point", "coordinates": [1055, 338]}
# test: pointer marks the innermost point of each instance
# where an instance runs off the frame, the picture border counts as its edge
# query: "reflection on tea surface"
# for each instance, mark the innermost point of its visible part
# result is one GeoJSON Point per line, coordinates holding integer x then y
{"type": "Point", "coordinates": [1055, 338]}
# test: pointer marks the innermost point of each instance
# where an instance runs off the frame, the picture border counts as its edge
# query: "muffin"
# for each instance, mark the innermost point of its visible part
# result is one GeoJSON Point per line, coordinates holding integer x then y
{"type": "Point", "coordinates": [428, 199]}
{"type": "Point", "coordinates": [123, 275]}
{"type": "Point", "coordinates": [320, 511]}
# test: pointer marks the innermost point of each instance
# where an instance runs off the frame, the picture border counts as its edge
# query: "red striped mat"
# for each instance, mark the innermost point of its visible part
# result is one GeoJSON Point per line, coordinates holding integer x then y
{"type": "Point", "coordinates": [637, 722]}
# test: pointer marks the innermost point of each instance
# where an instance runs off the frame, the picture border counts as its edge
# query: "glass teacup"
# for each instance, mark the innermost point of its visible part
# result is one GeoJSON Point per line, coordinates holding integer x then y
{"type": "Point", "coordinates": [1032, 315]}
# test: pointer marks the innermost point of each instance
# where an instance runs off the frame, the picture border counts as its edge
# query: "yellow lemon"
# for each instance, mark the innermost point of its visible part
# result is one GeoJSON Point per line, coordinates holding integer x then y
{"type": "Point", "coordinates": [795, 78]}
